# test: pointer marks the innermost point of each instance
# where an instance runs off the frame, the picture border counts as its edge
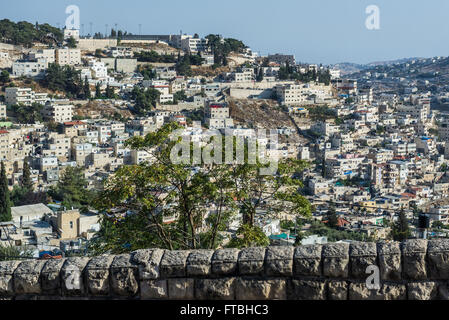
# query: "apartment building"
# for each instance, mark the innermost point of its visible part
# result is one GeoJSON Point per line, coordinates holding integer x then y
{"type": "Point", "coordinates": [68, 33]}
{"type": "Point", "coordinates": [58, 111]}
{"type": "Point", "coordinates": [217, 116]}
{"type": "Point", "coordinates": [194, 45]}
{"type": "Point", "coordinates": [2, 111]}
{"type": "Point", "coordinates": [30, 68]}
{"type": "Point", "coordinates": [68, 57]}
{"type": "Point", "coordinates": [47, 54]}
{"type": "Point", "coordinates": [25, 96]}
{"type": "Point", "coordinates": [291, 94]}
{"type": "Point", "coordinates": [58, 145]}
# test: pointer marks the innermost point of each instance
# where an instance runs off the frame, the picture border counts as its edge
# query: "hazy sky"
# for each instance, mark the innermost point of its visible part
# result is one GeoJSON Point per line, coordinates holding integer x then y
{"type": "Point", "coordinates": [315, 31]}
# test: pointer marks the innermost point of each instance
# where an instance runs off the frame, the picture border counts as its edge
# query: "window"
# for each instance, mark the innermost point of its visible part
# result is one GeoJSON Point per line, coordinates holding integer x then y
{"type": "Point", "coordinates": [71, 224]}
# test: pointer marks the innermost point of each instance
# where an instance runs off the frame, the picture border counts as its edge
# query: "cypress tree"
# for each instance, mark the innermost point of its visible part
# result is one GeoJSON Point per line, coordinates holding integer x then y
{"type": "Point", "coordinates": [332, 218]}
{"type": "Point", "coordinates": [5, 203]}
{"type": "Point", "coordinates": [86, 89]}
{"type": "Point", "coordinates": [26, 177]}
{"type": "Point", "coordinates": [400, 230]}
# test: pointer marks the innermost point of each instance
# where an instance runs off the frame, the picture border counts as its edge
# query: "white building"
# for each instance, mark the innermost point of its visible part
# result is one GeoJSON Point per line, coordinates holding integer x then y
{"type": "Point", "coordinates": [35, 68]}
{"type": "Point", "coordinates": [68, 57]}
{"type": "Point", "coordinates": [24, 96]}
{"type": "Point", "coordinates": [58, 111]}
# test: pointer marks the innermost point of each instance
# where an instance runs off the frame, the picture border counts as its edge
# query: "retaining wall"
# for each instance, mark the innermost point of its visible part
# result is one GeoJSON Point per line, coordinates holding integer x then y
{"type": "Point", "coordinates": [415, 269]}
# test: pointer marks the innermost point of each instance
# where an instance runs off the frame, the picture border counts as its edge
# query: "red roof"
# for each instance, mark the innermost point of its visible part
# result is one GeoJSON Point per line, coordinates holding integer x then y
{"type": "Point", "coordinates": [73, 123]}
{"type": "Point", "coordinates": [3, 131]}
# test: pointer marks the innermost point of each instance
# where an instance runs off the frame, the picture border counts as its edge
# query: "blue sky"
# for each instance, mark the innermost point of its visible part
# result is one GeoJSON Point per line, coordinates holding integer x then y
{"type": "Point", "coordinates": [315, 31]}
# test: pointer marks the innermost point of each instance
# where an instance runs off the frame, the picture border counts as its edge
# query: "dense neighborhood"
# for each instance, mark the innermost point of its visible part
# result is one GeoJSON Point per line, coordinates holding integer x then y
{"type": "Point", "coordinates": [372, 145]}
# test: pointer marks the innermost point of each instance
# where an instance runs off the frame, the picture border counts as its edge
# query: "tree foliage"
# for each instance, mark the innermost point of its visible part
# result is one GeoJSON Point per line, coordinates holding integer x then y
{"type": "Point", "coordinates": [400, 229]}
{"type": "Point", "coordinates": [72, 190]}
{"type": "Point", "coordinates": [25, 33]}
{"type": "Point", "coordinates": [185, 206]}
{"type": "Point", "coordinates": [5, 202]}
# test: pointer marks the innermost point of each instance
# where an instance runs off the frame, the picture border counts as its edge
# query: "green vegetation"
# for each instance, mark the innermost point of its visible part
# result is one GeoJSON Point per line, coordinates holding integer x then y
{"type": "Point", "coordinates": [65, 79]}
{"type": "Point", "coordinates": [25, 33]}
{"type": "Point", "coordinates": [28, 114]}
{"type": "Point", "coordinates": [183, 66]}
{"type": "Point", "coordinates": [71, 42]}
{"type": "Point", "coordinates": [334, 235]}
{"type": "Point", "coordinates": [400, 230]}
{"type": "Point", "coordinates": [147, 72]}
{"type": "Point", "coordinates": [145, 99]}
{"type": "Point", "coordinates": [179, 96]}
{"type": "Point", "coordinates": [221, 48]}
{"type": "Point", "coordinates": [167, 203]}
{"type": "Point", "coordinates": [15, 253]}
{"type": "Point", "coordinates": [321, 113]}
{"type": "Point", "coordinates": [5, 202]}
{"type": "Point", "coordinates": [4, 77]}
{"type": "Point", "coordinates": [332, 218]}
{"type": "Point", "coordinates": [72, 190]}
{"type": "Point", "coordinates": [153, 56]}
{"type": "Point", "coordinates": [288, 72]}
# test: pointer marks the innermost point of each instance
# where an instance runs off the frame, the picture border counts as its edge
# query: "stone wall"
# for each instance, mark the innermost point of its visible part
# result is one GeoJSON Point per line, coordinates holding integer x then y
{"type": "Point", "coordinates": [415, 269]}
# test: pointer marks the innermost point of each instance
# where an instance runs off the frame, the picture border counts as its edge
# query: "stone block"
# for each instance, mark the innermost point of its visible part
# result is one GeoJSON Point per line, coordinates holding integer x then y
{"type": "Point", "coordinates": [148, 261]}
{"type": "Point", "coordinates": [174, 264]}
{"type": "Point", "coordinates": [307, 290]}
{"type": "Point", "coordinates": [7, 269]}
{"type": "Point", "coordinates": [181, 288]}
{"type": "Point", "coordinates": [215, 289]}
{"type": "Point", "coordinates": [251, 261]}
{"type": "Point", "coordinates": [27, 277]}
{"type": "Point", "coordinates": [337, 290]}
{"type": "Point", "coordinates": [307, 260]}
{"type": "Point", "coordinates": [389, 256]}
{"type": "Point", "coordinates": [438, 259]}
{"type": "Point", "coordinates": [279, 261]}
{"type": "Point", "coordinates": [362, 255]}
{"type": "Point", "coordinates": [51, 277]}
{"type": "Point", "coordinates": [414, 259]}
{"type": "Point", "coordinates": [224, 261]}
{"type": "Point", "coordinates": [422, 290]}
{"type": "Point", "coordinates": [97, 275]}
{"type": "Point", "coordinates": [253, 289]}
{"type": "Point", "coordinates": [72, 276]}
{"type": "Point", "coordinates": [336, 260]}
{"type": "Point", "coordinates": [199, 263]}
{"type": "Point", "coordinates": [153, 289]}
{"type": "Point", "coordinates": [124, 276]}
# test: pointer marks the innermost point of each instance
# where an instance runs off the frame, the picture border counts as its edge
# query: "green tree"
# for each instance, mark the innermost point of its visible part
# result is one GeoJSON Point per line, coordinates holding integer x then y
{"type": "Point", "coordinates": [400, 230]}
{"type": "Point", "coordinates": [4, 77]}
{"type": "Point", "coordinates": [98, 94]}
{"type": "Point", "coordinates": [86, 88]}
{"type": "Point", "coordinates": [168, 203]}
{"type": "Point", "coordinates": [72, 190]}
{"type": "Point", "coordinates": [71, 42]}
{"type": "Point", "coordinates": [332, 218]}
{"type": "Point", "coordinates": [27, 183]}
{"type": "Point", "coordinates": [5, 203]}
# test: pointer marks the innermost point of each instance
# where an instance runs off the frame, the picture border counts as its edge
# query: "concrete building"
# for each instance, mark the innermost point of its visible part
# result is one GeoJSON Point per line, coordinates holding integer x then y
{"type": "Point", "coordinates": [216, 116]}
{"type": "Point", "coordinates": [68, 57]}
{"type": "Point", "coordinates": [30, 68]}
{"type": "Point", "coordinates": [25, 96]}
{"type": "Point", "coordinates": [58, 111]}
{"type": "Point", "coordinates": [125, 65]}
{"type": "Point", "coordinates": [47, 54]}
{"type": "Point", "coordinates": [194, 45]}
{"type": "Point", "coordinates": [68, 223]}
